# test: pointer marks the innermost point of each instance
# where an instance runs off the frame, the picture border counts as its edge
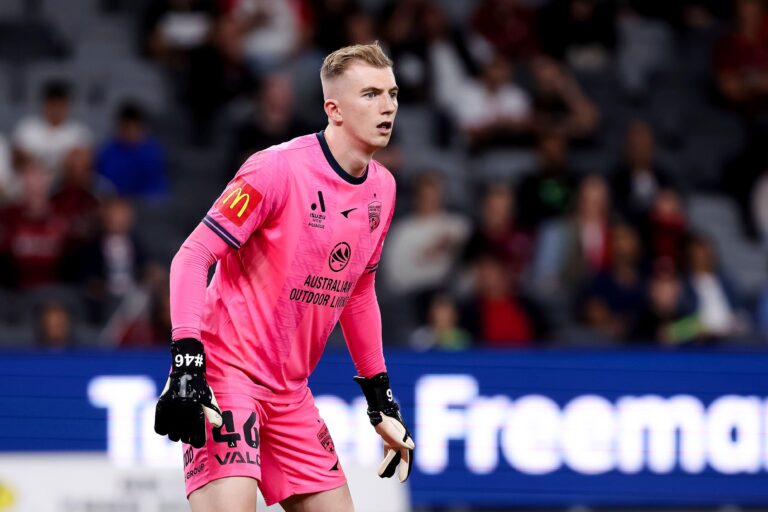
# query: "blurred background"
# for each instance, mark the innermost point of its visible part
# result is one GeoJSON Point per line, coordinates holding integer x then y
{"type": "Point", "coordinates": [577, 179]}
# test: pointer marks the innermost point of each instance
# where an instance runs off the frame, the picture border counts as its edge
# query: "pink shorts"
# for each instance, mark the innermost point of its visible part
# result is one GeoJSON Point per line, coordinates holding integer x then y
{"type": "Point", "coordinates": [286, 447]}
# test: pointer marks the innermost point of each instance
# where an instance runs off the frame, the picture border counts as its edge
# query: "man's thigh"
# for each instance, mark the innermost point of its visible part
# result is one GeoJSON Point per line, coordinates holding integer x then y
{"type": "Point", "coordinates": [297, 454]}
{"type": "Point", "coordinates": [335, 500]}
{"type": "Point", "coordinates": [233, 494]}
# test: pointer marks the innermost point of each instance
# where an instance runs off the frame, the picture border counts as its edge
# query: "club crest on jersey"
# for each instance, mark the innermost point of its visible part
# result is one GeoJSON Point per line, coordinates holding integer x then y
{"type": "Point", "coordinates": [339, 257]}
{"type": "Point", "coordinates": [374, 214]}
{"type": "Point", "coordinates": [238, 201]}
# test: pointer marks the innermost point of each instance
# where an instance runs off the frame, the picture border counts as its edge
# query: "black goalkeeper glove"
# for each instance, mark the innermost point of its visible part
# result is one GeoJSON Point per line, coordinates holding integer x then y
{"type": "Point", "coordinates": [187, 399]}
{"type": "Point", "coordinates": [384, 414]}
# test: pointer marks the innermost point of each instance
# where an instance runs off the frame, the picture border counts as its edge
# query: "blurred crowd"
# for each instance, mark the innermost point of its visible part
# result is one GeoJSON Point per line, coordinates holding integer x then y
{"type": "Point", "coordinates": [570, 172]}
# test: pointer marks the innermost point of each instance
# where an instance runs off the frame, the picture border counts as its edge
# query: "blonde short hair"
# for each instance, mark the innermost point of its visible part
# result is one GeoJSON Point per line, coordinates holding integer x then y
{"type": "Point", "coordinates": [337, 62]}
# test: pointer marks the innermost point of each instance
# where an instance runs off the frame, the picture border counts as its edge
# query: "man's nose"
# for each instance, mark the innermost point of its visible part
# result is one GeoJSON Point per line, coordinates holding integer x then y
{"type": "Point", "coordinates": [388, 104]}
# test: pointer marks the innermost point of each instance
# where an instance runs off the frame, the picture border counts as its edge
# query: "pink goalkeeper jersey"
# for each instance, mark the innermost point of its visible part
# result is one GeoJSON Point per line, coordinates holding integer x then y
{"type": "Point", "coordinates": [305, 232]}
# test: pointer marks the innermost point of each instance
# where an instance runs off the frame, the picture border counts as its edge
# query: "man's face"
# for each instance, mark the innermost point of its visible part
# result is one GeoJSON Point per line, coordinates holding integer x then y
{"type": "Point", "coordinates": [366, 99]}
{"type": "Point", "coordinates": [56, 110]}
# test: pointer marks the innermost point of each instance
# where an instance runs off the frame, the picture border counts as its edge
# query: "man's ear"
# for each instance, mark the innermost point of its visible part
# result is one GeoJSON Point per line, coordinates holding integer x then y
{"type": "Point", "coordinates": [333, 111]}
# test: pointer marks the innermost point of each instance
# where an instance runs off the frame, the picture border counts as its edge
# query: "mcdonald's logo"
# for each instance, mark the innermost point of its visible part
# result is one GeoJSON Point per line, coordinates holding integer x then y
{"type": "Point", "coordinates": [238, 201]}
{"type": "Point", "coordinates": [239, 197]}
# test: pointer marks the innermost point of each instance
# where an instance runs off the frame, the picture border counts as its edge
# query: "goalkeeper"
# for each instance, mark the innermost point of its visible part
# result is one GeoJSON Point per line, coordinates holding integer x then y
{"type": "Point", "coordinates": [297, 235]}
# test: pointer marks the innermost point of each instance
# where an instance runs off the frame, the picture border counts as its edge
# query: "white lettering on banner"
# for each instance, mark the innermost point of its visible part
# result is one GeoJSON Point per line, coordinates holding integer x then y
{"type": "Point", "coordinates": [485, 419]}
{"type": "Point", "coordinates": [436, 400]}
{"type": "Point", "coordinates": [530, 438]}
{"type": "Point", "coordinates": [131, 438]}
{"type": "Point", "coordinates": [590, 434]}
{"type": "Point", "coordinates": [656, 421]}
{"type": "Point", "coordinates": [735, 432]}
{"type": "Point", "coordinates": [588, 430]}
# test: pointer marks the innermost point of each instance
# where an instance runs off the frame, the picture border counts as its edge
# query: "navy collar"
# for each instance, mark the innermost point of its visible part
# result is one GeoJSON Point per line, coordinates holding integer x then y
{"type": "Point", "coordinates": [337, 168]}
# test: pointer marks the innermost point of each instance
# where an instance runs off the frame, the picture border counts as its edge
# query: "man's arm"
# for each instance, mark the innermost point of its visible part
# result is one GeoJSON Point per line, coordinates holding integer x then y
{"type": "Point", "coordinates": [189, 277]}
{"type": "Point", "coordinates": [187, 398]}
{"type": "Point", "coordinates": [361, 325]}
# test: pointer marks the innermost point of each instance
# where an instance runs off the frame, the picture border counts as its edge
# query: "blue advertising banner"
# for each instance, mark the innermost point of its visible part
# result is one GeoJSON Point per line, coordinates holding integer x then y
{"type": "Point", "coordinates": [524, 428]}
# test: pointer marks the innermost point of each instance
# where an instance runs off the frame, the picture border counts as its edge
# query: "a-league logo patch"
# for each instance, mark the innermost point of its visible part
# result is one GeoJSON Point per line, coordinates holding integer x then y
{"type": "Point", "coordinates": [374, 214]}
{"type": "Point", "coordinates": [325, 439]}
{"type": "Point", "coordinates": [238, 201]}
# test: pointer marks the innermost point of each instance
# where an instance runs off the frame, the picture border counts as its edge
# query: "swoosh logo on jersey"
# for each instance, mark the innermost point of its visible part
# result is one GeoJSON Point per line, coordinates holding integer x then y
{"type": "Point", "coordinates": [346, 213]}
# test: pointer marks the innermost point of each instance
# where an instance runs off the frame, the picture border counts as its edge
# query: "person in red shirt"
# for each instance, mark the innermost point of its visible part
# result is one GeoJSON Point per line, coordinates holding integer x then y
{"type": "Point", "coordinates": [32, 238]}
{"type": "Point", "coordinates": [498, 314]}
{"type": "Point", "coordinates": [741, 58]}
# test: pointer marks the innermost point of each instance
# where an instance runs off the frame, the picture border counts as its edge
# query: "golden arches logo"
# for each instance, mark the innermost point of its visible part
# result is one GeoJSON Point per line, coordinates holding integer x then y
{"type": "Point", "coordinates": [239, 197]}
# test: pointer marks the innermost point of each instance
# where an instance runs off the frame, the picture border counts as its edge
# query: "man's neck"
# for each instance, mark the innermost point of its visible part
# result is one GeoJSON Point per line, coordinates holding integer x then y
{"type": "Point", "coordinates": [346, 152]}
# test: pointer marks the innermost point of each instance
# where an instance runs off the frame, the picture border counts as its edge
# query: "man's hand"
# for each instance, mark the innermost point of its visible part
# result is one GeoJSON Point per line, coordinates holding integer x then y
{"type": "Point", "coordinates": [186, 398]}
{"type": "Point", "coordinates": [384, 414]}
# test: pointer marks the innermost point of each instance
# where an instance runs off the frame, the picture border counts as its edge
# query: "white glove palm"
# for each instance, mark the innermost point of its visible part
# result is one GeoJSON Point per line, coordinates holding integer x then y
{"type": "Point", "coordinates": [398, 446]}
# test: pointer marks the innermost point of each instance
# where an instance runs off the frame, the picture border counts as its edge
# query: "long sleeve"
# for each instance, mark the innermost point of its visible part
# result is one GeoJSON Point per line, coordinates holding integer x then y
{"type": "Point", "coordinates": [361, 318]}
{"type": "Point", "coordinates": [361, 325]}
{"type": "Point", "coordinates": [188, 280]}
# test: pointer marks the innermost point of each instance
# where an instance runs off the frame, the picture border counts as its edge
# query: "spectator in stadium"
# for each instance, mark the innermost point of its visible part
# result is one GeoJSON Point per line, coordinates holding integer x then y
{"type": "Point", "coordinates": [497, 231]}
{"type": "Point", "coordinates": [148, 323]}
{"type": "Point", "coordinates": [452, 55]}
{"type": "Point", "coordinates": [402, 27]}
{"type": "Point", "coordinates": [442, 330]}
{"type": "Point", "coordinates": [272, 31]}
{"type": "Point", "coordinates": [9, 180]}
{"type": "Point", "coordinates": [133, 161]}
{"type": "Point", "coordinates": [115, 260]}
{"type": "Point", "coordinates": [50, 136]}
{"type": "Point", "coordinates": [580, 33]}
{"type": "Point", "coordinates": [327, 17]}
{"type": "Point", "coordinates": [665, 318]}
{"type": "Point", "coordinates": [645, 49]}
{"type": "Point", "coordinates": [171, 29]}
{"type": "Point", "coordinates": [32, 237]}
{"type": "Point", "coordinates": [508, 25]}
{"type": "Point", "coordinates": [741, 58]}
{"type": "Point", "coordinates": [497, 313]}
{"type": "Point", "coordinates": [548, 192]}
{"type": "Point", "coordinates": [665, 229]}
{"type": "Point", "coordinates": [639, 178]}
{"type": "Point", "coordinates": [493, 110]}
{"type": "Point", "coordinates": [613, 297]}
{"type": "Point", "coordinates": [560, 104]}
{"type": "Point", "coordinates": [54, 326]}
{"type": "Point", "coordinates": [573, 249]}
{"type": "Point", "coordinates": [360, 28]}
{"type": "Point", "coordinates": [717, 302]}
{"type": "Point", "coordinates": [272, 119]}
{"type": "Point", "coordinates": [75, 202]}
{"type": "Point", "coordinates": [760, 207]}
{"type": "Point", "coordinates": [219, 72]}
{"type": "Point", "coordinates": [423, 247]}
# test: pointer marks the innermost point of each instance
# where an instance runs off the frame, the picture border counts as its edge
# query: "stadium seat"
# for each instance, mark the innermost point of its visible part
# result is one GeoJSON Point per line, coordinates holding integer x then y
{"type": "Point", "coordinates": [714, 215]}
{"type": "Point", "coordinates": [502, 164]}
{"type": "Point", "coordinates": [30, 301]}
{"type": "Point", "coordinates": [746, 264]}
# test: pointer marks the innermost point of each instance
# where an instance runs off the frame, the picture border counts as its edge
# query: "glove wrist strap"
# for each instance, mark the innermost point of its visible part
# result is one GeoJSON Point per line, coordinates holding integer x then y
{"type": "Point", "coordinates": [187, 356]}
{"type": "Point", "coordinates": [377, 392]}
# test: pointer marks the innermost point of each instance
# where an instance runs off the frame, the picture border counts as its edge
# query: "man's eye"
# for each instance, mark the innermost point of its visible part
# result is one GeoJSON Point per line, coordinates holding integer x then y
{"type": "Point", "coordinates": [393, 94]}
{"type": "Point", "coordinates": [370, 94]}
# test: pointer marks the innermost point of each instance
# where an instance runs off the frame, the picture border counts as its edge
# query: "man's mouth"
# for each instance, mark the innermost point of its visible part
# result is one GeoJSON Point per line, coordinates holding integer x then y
{"type": "Point", "coordinates": [385, 126]}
